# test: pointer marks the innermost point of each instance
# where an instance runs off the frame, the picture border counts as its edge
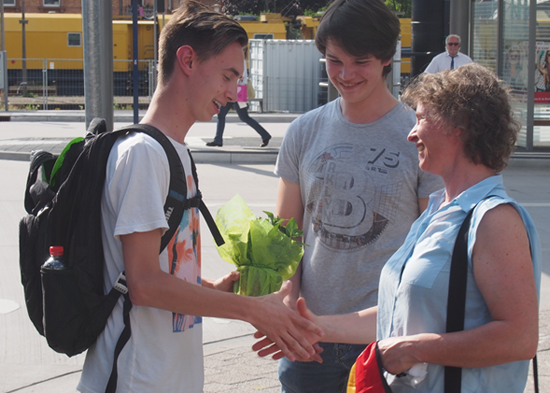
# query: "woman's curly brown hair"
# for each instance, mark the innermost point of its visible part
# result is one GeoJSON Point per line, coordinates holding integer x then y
{"type": "Point", "coordinates": [472, 98]}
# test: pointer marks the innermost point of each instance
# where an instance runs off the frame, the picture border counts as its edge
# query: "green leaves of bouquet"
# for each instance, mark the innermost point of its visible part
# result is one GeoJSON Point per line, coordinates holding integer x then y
{"type": "Point", "coordinates": [291, 228]}
{"type": "Point", "coordinates": [264, 250]}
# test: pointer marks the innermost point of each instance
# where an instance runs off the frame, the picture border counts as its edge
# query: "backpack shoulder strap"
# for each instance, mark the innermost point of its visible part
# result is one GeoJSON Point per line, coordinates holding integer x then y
{"type": "Point", "coordinates": [177, 201]}
{"type": "Point", "coordinates": [204, 210]}
{"type": "Point", "coordinates": [34, 201]}
{"type": "Point", "coordinates": [177, 194]}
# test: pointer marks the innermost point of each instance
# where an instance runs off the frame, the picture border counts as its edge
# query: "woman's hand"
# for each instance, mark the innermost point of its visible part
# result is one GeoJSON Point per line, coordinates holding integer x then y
{"type": "Point", "coordinates": [284, 327]}
{"type": "Point", "coordinates": [266, 346]}
{"type": "Point", "coordinates": [396, 358]}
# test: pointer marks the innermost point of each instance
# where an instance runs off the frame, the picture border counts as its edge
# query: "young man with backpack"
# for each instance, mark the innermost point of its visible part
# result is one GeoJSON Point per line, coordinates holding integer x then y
{"type": "Point", "coordinates": [351, 179]}
{"type": "Point", "coordinates": [201, 59]}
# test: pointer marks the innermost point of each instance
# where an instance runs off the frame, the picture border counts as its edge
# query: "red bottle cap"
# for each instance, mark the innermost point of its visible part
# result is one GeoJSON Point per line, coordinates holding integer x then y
{"type": "Point", "coordinates": [56, 250]}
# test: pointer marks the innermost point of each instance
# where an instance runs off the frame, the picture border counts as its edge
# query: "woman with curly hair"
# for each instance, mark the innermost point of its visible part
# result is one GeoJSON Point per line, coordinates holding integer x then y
{"type": "Point", "coordinates": [465, 132]}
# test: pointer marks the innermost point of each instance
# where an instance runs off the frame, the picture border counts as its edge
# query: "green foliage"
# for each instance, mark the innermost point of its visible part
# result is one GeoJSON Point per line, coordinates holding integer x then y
{"type": "Point", "coordinates": [293, 33]}
{"type": "Point", "coordinates": [120, 107]}
{"type": "Point", "coordinates": [291, 229]}
{"type": "Point", "coordinates": [402, 7]}
{"type": "Point", "coordinates": [285, 7]}
{"type": "Point", "coordinates": [275, 220]}
{"type": "Point", "coordinates": [313, 13]}
{"type": "Point", "coordinates": [263, 250]}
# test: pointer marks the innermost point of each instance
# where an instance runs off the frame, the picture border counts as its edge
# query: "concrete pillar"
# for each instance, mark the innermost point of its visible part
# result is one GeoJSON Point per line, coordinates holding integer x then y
{"type": "Point", "coordinates": [97, 27]}
{"type": "Point", "coordinates": [459, 17]}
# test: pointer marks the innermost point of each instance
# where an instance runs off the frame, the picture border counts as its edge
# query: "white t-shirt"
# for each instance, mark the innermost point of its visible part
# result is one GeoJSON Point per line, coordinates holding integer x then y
{"type": "Point", "coordinates": [164, 352]}
{"type": "Point", "coordinates": [443, 62]}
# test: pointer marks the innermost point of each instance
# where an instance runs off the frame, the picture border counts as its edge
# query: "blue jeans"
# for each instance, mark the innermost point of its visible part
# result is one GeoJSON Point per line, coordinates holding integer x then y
{"type": "Point", "coordinates": [331, 376]}
{"type": "Point", "coordinates": [243, 115]}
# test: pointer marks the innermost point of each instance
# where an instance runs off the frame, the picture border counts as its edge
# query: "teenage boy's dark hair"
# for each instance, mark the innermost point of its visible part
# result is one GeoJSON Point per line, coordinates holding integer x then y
{"type": "Point", "coordinates": [195, 24]}
{"type": "Point", "coordinates": [360, 27]}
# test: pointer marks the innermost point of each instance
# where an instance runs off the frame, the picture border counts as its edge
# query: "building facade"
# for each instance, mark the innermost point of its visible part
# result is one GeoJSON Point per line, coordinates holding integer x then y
{"type": "Point", "coordinates": [512, 37]}
{"type": "Point", "coordinates": [121, 8]}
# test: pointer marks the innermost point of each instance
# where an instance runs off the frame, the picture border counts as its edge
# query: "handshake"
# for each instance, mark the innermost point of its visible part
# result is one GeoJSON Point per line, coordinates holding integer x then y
{"type": "Point", "coordinates": [301, 342]}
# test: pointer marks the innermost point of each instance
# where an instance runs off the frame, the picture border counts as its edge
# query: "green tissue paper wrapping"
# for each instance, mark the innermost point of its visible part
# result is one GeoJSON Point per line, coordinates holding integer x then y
{"type": "Point", "coordinates": [263, 254]}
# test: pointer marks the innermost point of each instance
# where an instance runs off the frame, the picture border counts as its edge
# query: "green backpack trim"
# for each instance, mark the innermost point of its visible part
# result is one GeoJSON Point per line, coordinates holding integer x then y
{"type": "Point", "coordinates": [60, 159]}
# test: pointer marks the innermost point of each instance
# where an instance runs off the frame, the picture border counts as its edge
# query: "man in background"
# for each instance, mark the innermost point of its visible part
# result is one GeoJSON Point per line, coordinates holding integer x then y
{"type": "Point", "coordinates": [450, 59]}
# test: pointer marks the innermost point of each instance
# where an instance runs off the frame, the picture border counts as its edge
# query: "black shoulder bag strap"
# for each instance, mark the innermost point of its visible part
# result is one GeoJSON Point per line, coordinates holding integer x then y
{"type": "Point", "coordinates": [456, 303]}
{"type": "Point", "coordinates": [177, 201]}
{"type": "Point", "coordinates": [174, 207]}
{"type": "Point", "coordinates": [202, 207]}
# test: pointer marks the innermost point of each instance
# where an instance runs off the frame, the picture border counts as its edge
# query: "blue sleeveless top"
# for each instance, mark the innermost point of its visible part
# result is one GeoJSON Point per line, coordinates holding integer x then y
{"type": "Point", "coordinates": [413, 289]}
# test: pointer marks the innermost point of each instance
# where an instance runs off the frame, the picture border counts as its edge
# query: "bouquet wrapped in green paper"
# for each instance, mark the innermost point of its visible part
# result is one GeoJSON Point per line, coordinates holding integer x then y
{"type": "Point", "coordinates": [262, 248]}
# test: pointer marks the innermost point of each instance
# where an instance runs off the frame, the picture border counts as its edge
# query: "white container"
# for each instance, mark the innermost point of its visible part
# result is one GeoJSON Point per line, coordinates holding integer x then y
{"type": "Point", "coordinates": [285, 75]}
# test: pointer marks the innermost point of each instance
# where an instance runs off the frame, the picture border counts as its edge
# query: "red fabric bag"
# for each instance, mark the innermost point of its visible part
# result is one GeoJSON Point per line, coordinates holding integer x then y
{"type": "Point", "coordinates": [368, 372]}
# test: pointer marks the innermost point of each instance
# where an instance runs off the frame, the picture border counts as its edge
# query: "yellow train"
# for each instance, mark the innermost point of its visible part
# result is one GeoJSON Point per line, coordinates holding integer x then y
{"type": "Point", "coordinates": [58, 38]}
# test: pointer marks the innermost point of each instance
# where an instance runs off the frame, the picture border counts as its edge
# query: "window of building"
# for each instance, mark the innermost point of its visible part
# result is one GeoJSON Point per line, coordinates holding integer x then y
{"type": "Point", "coordinates": [73, 39]}
{"type": "Point", "coordinates": [8, 3]}
{"type": "Point", "coordinates": [263, 36]}
{"type": "Point", "coordinates": [52, 3]}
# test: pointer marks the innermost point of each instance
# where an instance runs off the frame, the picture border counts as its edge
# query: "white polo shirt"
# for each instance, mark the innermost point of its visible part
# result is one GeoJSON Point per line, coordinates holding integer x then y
{"type": "Point", "coordinates": [443, 62]}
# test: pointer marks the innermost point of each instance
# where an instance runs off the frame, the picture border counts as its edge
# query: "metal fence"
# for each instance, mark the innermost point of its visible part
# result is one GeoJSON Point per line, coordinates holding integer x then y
{"type": "Point", "coordinates": [59, 84]}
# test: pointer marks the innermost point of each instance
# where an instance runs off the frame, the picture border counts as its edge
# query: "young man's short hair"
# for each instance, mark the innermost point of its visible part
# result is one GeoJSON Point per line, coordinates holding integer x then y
{"type": "Point", "coordinates": [360, 28]}
{"type": "Point", "coordinates": [195, 24]}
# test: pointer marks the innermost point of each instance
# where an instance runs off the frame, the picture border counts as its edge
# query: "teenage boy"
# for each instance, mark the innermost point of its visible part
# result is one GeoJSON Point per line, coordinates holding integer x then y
{"type": "Point", "coordinates": [201, 59]}
{"type": "Point", "coordinates": [351, 180]}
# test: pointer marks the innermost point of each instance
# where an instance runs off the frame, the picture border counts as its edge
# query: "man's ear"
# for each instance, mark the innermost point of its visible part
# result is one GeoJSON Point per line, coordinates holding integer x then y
{"type": "Point", "coordinates": [186, 59]}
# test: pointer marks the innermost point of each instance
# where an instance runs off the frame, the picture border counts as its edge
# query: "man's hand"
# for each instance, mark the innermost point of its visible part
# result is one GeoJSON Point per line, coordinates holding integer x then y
{"type": "Point", "coordinates": [283, 326]}
{"type": "Point", "coordinates": [266, 346]}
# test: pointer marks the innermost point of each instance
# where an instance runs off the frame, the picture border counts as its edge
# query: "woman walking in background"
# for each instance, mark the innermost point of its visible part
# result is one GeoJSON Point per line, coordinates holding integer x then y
{"type": "Point", "coordinates": [242, 111]}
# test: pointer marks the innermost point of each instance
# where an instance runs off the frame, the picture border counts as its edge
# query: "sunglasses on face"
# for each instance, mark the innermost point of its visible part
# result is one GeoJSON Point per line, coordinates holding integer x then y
{"type": "Point", "coordinates": [452, 43]}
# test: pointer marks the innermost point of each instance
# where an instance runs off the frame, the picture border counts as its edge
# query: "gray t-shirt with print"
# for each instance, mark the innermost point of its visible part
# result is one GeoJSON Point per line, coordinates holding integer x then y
{"type": "Point", "coordinates": [360, 185]}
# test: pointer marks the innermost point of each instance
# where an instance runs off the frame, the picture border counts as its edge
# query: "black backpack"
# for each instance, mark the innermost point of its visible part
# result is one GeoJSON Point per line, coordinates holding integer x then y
{"type": "Point", "coordinates": [63, 202]}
